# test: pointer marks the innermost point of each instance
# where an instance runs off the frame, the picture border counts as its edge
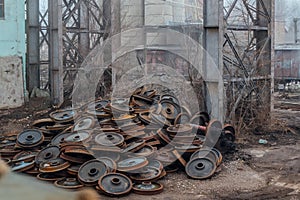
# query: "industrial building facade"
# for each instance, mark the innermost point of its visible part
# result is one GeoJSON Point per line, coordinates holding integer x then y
{"type": "Point", "coordinates": [72, 29]}
{"type": "Point", "coordinates": [287, 46]}
{"type": "Point", "coordinates": [12, 53]}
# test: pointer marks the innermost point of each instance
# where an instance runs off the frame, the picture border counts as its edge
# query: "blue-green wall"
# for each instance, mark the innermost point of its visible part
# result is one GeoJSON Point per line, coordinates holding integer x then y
{"type": "Point", "coordinates": [12, 54]}
{"type": "Point", "coordinates": [12, 29]}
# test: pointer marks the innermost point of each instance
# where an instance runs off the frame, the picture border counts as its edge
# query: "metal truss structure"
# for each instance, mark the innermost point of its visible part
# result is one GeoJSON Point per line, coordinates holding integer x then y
{"type": "Point", "coordinates": [239, 37]}
{"type": "Point", "coordinates": [62, 33]}
{"type": "Point", "coordinates": [248, 60]}
{"type": "Point", "coordinates": [84, 27]}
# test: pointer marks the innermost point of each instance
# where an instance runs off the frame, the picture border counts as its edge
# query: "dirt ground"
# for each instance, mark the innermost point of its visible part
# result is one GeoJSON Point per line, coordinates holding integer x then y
{"type": "Point", "coordinates": [254, 171]}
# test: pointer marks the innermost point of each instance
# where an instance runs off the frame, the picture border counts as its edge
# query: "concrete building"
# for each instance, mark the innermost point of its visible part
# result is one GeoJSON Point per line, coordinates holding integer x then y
{"type": "Point", "coordinates": [138, 13]}
{"type": "Point", "coordinates": [287, 43]}
{"type": "Point", "coordinates": [12, 53]}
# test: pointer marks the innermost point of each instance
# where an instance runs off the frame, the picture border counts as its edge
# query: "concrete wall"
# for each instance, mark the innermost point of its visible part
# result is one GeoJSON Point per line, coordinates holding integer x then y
{"type": "Point", "coordinates": [131, 16]}
{"type": "Point", "coordinates": [131, 13]}
{"type": "Point", "coordinates": [285, 12]}
{"type": "Point", "coordinates": [11, 80]}
{"type": "Point", "coordinates": [137, 13]}
{"type": "Point", "coordinates": [12, 54]}
{"type": "Point", "coordinates": [156, 12]}
{"type": "Point", "coordinates": [287, 64]}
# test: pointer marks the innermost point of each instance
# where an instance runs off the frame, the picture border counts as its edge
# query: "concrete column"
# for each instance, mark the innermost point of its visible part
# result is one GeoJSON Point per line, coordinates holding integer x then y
{"type": "Point", "coordinates": [132, 13]}
{"type": "Point", "coordinates": [265, 42]}
{"type": "Point", "coordinates": [179, 11]}
{"type": "Point", "coordinates": [33, 41]}
{"type": "Point", "coordinates": [213, 44]}
{"type": "Point", "coordinates": [56, 52]}
{"type": "Point", "coordinates": [84, 39]}
{"type": "Point", "coordinates": [262, 38]}
{"type": "Point", "coordinates": [132, 16]}
{"type": "Point", "coordinates": [115, 32]}
{"type": "Point", "coordinates": [158, 12]}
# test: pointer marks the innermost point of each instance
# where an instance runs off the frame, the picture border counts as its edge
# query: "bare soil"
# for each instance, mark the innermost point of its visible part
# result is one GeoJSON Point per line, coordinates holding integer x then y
{"type": "Point", "coordinates": [254, 171]}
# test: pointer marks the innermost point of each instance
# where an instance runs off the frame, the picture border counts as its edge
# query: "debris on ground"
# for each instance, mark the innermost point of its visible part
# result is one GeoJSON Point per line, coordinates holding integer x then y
{"type": "Point", "coordinates": [119, 145]}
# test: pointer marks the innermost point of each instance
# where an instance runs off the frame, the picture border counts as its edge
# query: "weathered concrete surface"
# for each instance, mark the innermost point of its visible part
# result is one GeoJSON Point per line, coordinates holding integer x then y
{"type": "Point", "coordinates": [11, 82]}
{"type": "Point", "coordinates": [12, 52]}
{"type": "Point", "coordinates": [12, 36]}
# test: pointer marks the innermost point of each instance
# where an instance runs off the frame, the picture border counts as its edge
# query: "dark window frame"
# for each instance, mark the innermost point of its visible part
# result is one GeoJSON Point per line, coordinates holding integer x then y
{"type": "Point", "coordinates": [2, 4]}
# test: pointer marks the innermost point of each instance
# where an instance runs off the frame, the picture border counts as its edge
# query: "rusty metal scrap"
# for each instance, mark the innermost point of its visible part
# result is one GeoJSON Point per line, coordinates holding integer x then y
{"type": "Point", "coordinates": [107, 144]}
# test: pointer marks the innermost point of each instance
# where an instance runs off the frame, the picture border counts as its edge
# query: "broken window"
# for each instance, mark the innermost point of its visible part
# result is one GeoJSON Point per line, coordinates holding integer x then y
{"type": "Point", "coordinates": [1, 9]}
